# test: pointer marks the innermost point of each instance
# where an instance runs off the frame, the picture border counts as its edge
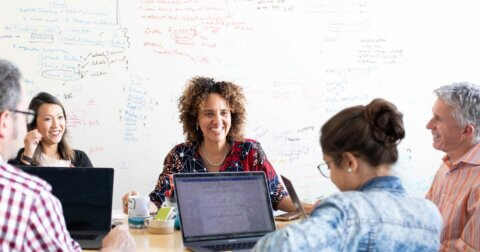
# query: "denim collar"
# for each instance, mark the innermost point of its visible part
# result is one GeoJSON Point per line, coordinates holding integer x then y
{"type": "Point", "coordinates": [387, 183]}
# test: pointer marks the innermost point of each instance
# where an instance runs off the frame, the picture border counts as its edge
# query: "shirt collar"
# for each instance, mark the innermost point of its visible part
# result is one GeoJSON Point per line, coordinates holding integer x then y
{"type": "Point", "coordinates": [388, 183]}
{"type": "Point", "coordinates": [471, 157]}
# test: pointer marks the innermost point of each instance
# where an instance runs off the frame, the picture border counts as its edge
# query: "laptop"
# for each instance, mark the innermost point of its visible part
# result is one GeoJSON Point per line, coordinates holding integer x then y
{"type": "Point", "coordinates": [223, 210]}
{"type": "Point", "coordinates": [86, 197]}
{"type": "Point", "coordinates": [300, 211]}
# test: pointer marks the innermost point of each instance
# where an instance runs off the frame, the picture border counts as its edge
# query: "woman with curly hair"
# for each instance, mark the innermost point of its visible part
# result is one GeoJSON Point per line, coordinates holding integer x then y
{"type": "Point", "coordinates": [213, 117]}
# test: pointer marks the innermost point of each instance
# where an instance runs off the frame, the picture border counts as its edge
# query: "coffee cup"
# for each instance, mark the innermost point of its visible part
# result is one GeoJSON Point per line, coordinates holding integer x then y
{"type": "Point", "coordinates": [159, 226]}
{"type": "Point", "coordinates": [138, 210]}
{"type": "Point", "coordinates": [138, 206]}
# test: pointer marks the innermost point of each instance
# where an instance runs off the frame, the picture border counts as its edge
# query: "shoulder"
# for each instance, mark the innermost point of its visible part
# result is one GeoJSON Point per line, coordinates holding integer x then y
{"type": "Point", "coordinates": [21, 182]}
{"type": "Point", "coordinates": [248, 141]}
{"type": "Point", "coordinates": [430, 211]}
{"type": "Point", "coordinates": [17, 159]}
{"type": "Point", "coordinates": [247, 144]}
{"type": "Point", "coordinates": [81, 159]}
{"type": "Point", "coordinates": [183, 147]}
{"type": "Point", "coordinates": [384, 206]}
{"type": "Point", "coordinates": [369, 200]}
{"type": "Point", "coordinates": [182, 150]}
{"type": "Point", "coordinates": [80, 153]}
{"type": "Point", "coordinates": [340, 200]}
{"type": "Point", "coordinates": [20, 152]}
{"type": "Point", "coordinates": [349, 203]}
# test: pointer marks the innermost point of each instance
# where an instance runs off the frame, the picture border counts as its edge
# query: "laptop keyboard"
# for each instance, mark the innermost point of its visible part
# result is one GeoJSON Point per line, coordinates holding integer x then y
{"type": "Point", "coordinates": [231, 246]}
{"type": "Point", "coordinates": [84, 236]}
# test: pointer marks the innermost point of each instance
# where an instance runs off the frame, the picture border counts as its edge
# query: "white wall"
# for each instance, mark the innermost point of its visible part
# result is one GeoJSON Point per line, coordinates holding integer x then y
{"type": "Point", "coordinates": [119, 67]}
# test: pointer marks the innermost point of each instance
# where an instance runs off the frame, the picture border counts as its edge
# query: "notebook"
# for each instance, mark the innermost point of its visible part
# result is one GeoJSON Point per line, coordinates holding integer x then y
{"type": "Point", "coordinates": [223, 211]}
{"type": "Point", "coordinates": [293, 195]}
{"type": "Point", "coordinates": [86, 197]}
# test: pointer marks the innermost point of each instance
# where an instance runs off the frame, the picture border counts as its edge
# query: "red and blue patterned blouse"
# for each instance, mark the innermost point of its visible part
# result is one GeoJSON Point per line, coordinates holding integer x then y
{"type": "Point", "coordinates": [247, 155]}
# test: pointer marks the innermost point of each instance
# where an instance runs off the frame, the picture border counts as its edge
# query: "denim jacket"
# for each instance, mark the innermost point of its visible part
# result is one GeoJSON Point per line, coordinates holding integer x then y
{"type": "Point", "coordinates": [380, 216]}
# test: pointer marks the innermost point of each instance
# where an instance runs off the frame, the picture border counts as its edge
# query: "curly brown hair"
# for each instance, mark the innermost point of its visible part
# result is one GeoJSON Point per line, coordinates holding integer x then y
{"type": "Point", "coordinates": [193, 98]}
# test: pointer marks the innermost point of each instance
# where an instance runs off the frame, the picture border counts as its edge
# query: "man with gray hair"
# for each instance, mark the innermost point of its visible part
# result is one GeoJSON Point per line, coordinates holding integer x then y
{"type": "Point", "coordinates": [31, 218]}
{"type": "Point", "coordinates": [455, 127]}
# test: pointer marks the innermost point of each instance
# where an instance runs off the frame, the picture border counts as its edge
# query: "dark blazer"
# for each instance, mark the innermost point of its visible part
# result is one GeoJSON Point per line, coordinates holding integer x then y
{"type": "Point", "coordinates": [81, 159]}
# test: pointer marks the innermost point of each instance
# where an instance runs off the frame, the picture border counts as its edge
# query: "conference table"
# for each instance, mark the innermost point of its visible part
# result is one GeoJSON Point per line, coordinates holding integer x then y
{"type": "Point", "coordinates": [167, 242]}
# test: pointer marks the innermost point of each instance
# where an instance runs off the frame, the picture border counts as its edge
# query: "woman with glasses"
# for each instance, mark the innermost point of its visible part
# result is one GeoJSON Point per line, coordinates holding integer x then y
{"type": "Point", "coordinates": [373, 211]}
{"type": "Point", "coordinates": [46, 142]}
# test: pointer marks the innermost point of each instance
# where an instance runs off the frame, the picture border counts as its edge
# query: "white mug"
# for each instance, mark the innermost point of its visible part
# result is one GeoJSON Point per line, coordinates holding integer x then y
{"type": "Point", "coordinates": [138, 206]}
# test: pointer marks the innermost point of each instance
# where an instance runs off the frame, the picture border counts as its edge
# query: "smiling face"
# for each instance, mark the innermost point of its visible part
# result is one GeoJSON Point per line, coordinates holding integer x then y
{"type": "Point", "coordinates": [214, 119]}
{"type": "Point", "coordinates": [51, 123]}
{"type": "Point", "coordinates": [447, 134]}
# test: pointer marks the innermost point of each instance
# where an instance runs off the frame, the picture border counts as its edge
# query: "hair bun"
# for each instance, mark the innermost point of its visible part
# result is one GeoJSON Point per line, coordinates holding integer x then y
{"type": "Point", "coordinates": [385, 122]}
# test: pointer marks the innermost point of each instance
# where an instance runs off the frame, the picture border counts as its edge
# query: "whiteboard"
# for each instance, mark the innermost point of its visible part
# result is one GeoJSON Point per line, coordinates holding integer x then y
{"type": "Point", "coordinates": [120, 66]}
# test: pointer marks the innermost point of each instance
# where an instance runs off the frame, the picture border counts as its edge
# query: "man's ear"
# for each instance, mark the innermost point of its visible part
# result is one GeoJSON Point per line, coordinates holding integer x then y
{"type": "Point", "coordinates": [4, 122]}
{"type": "Point", "coordinates": [469, 131]}
{"type": "Point", "coordinates": [350, 161]}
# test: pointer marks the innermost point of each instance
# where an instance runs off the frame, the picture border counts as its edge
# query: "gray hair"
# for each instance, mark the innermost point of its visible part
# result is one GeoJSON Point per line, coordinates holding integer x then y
{"type": "Point", "coordinates": [10, 89]}
{"type": "Point", "coordinates": [464, 97]}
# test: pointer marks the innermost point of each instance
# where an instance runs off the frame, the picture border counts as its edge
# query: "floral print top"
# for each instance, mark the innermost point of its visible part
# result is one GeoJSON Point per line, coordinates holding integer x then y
{"type": "Point", "coordinates": [245, 155]}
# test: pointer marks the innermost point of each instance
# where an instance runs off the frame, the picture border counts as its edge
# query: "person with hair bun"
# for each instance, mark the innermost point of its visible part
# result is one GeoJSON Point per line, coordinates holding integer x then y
{"type": "Point", "coordinates": [373, 211]}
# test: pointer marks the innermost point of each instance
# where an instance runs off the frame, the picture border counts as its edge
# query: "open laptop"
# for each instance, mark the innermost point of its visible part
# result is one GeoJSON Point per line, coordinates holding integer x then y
{"type": "Point", "coordinates": [300, 211]}
{"type": "Point", "coordinates": [86, 197]}
{"type": "Point", "coordinates": [223, 211]}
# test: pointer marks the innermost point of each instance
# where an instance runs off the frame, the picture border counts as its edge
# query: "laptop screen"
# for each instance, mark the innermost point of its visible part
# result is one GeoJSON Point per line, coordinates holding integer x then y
{"type": "Point", "coordinates": [223, 205]}
{"type": "Point", "coordinates": [85, 194]}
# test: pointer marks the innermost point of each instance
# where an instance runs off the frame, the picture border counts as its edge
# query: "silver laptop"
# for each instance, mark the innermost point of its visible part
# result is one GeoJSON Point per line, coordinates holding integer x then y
{"type": "Point", "coordinates": [86, 197]}
{"type": "Point", "coordinates": [223, 211]}
{"type": "Point", "coordinates": [293, 195]}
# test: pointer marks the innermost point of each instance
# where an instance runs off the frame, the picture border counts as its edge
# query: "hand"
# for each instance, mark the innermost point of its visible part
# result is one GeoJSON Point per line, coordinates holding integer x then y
{"type": "Point", "coordinates": [119, 239]}
{"type": "Point", "coordinates": [31, 141]}
{"type": "Point", "coordinates": [308, 207]}
{"type": "Point", "coordinates": [318, 202]}
{"type": "Point", "coordinates": [125, 200]}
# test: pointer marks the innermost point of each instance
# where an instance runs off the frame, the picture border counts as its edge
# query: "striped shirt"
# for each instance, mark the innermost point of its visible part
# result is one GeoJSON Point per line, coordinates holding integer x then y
{"type": "Point", "coordinates": [31, 218]}
{"type": "Point", "coordinates": [456, 192]}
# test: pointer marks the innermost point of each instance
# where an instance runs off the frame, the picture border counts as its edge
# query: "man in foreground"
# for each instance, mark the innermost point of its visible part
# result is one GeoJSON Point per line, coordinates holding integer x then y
{"type": "Point", "coordinates": [31, 218]}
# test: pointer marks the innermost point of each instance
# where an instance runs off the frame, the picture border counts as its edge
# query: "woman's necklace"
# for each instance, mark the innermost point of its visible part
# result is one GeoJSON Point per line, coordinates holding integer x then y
{"type": "Point", "coordinates": [208, 160]}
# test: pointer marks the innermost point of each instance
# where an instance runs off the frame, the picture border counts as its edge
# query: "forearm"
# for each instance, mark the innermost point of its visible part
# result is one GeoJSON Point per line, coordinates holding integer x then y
{"type": "Point", "coordinates": [286, 205]}
{"type": "Point", "coordinates": [461, 245]}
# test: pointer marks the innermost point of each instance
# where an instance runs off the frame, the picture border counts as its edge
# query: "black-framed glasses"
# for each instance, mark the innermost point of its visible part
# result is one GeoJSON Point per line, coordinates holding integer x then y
{"type": "Point", "coordinates": [324, 169]}
{"type": "Point", "coordinates": [29, 115]}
